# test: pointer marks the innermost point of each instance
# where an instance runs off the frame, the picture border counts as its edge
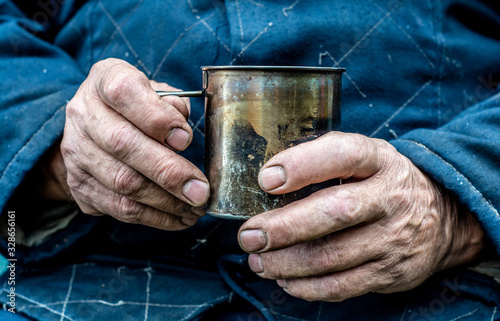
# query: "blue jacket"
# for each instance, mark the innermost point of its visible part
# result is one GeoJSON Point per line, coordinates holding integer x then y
{"type": "Point", "coordinates": [423, 75]}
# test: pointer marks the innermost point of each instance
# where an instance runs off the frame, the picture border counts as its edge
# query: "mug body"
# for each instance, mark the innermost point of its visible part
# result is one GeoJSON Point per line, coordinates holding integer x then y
{"type": "Point", "coordinates": [253, 113]}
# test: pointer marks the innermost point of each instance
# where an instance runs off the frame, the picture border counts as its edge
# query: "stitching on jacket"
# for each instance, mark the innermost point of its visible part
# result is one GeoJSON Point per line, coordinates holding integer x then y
{"type": "Point", "coordinates": [456, 171]}
{"type": "Point", "coordinates": [289, 317]}
{"type": "Point", "coordinates": [41, 305]}
{"type": "Point", "coordinates": [123, 23]}
{"type": "Point", "coordinates": [409, 101]}
{"type": "Point", "coordinates": [412, 40]}
{"type": "Point", "coordinates": [30, 139]}
{"type": "Point", "coordinates": [336, 64]}
{"type": "Point", "coordinates": [149, 271]}
{"type": "Point", "coordinates": [110, 304]}
{"type": "Point", "coordinates": [46, 306]}
{"type": "Point", "coordinates": [465, 315]}
{"type": "Point", "coordinates": [494, 312]}
{"type": "Point", "coordinates": [169, 50]}
{"type": "Point", "coordinates": [127, 42]}
{"type": "Point", "coordinates": [209, 303]}
{"type": "Point", "coordinates": [70, 289]}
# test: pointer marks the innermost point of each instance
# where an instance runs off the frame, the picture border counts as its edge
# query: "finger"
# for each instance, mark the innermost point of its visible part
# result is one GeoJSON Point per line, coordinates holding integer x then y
{"type": "Point", "coordinates": [128, 91]}
{"type": "Point", "coordinates": [336, 252]}
{"type": "Point", "coordinates": [326, 211]}
{"type": "Point", "coordinates": [334, 155]}
{"type": "Point", "coordinates": [338, 286]}
{"type": "Point", "coordinates": [124, 180]}
{"type": "Point", "coordinates": [185, 108]}
{"type": "Point", "coordinates": [94, 198]}
{"type": "Point", "coordinates": [170, 171]}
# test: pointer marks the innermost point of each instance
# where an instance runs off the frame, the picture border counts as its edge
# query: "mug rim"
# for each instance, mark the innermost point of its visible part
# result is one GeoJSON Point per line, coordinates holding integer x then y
{"type": "Point", "coordinates": [274, 68]}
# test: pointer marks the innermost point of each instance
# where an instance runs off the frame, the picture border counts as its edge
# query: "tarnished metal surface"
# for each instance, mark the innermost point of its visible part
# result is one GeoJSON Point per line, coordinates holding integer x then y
{"type": "Point", "coordinates": [252, 113]}
{"type": "Point", "coordinates": [196, 93]}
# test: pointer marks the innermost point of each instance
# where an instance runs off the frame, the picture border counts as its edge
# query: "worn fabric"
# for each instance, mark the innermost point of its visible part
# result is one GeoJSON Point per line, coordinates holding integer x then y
{"type": "Point", "coordinates": [421, 74]}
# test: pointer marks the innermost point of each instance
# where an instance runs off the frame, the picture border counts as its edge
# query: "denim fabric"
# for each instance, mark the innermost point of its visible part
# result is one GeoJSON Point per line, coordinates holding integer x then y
{"type": "Point", "coordinates": [421, 74]}
{"type": "Point", "coordinates": [8, 316]}
{"type": "Point", "coordinates": [117, 290]}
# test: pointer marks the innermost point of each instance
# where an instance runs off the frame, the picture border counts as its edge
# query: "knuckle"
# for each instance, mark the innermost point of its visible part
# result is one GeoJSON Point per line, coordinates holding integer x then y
{"type": "Point", "coordinates": [75, 182]}
{"type": "Point", "coordinates": [387, 156]}
{"type": "Point", "coordinates": [331, 290]}
{"type": "Point", "coordinates": [102, 65]}
{"type": "Point", "coordinates": [393, 267]}
{"type": "Point", "coordinates": [128, 210]}
{"type": "Point", "coordinates": [169, 174]}
{"type": "Point", "coordinates": [390, 272]}
{"type": "Point", "coordinates": [72, 110]}
{"type": "Point", "coordinates": [354, 157]}
{"type": "Point", "coordinates": [128, 182]}
{"type": "Point", "coordinates": [159, 120]}
{"type": "Point", "coordinates": [384, 145]}
{"type": "Point", "coordinates": [119, 86]}
{"type": "Point", "coordinates": [285, 231]}
{"type": "Point", "coordinates": [116, 86]}
{"type": "Point", "coordinates": [180, 105]}
{"type": "Point", "coordinates": [397, 272]}
{"type": "Point", "coordinates": [67, 149]}
{"type": "Point", "coordinates": [359, 153]}
{"type": "Point", "coordinates": [340, 206]}
{"type": "Point", "coordinates": [119, 139]}
{"type": "Point", "coordinates": [324, 259]}
{"type": "Point", "coordinates": [77, 178]}
{"type": "Point", "coordinates": [165, 119]}
{"type": "Point", "coordinates": [403, 242]}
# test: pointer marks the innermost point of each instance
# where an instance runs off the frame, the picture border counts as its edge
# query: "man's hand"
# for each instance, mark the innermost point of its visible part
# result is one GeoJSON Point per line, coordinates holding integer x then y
{"type": "Point", "coordinates": [119, 148]}
{"type": "Point", "coordinates": [387, 228]}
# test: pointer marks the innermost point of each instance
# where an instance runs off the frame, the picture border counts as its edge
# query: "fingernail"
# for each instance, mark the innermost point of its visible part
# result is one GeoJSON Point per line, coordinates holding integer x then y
{"type": "Point", "coordinates": [178, 139]}
{"type": "Point", "coordinates": [272, 178]}
{"type": "Point", "coordinates": [196, 191]}
{"type": "Point", "coordinates": [282, 283]}
{"type": "Point", "coordinates": [189, 221]}
{"type": "Point", "coordinates": [255, 263]}
{"type": "Point", "coordinates": [253, 240]}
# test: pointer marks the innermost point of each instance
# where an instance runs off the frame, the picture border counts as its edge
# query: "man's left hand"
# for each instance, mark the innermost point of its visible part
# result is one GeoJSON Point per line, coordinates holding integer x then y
{"type": "Point", "coordinates": [387, 228]}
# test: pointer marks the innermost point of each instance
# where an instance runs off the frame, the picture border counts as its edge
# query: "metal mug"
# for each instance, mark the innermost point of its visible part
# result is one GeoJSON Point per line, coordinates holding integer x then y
{"type": "Point", "coordinates": [251, 114]}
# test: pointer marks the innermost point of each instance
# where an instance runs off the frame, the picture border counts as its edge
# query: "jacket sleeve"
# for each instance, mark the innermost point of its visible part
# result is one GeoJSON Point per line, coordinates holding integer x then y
{"type": "Point", "coordinates": [464, 156]}
{"type": "Point", "coordinates": [37, 80]}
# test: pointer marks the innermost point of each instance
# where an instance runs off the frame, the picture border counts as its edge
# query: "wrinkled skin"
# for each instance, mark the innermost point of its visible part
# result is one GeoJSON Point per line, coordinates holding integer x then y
{"type": "Point", "coordinates": [387, 228]}
{"type": "Point", "coordinates": [118, 152]}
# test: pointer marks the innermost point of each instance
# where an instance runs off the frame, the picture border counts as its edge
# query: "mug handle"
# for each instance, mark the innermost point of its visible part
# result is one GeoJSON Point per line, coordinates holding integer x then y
{"type": "Point", "coordinates": [196, 93]}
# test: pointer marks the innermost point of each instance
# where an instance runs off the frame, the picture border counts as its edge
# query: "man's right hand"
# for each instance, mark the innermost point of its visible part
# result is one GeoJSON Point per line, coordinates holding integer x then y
{"type": "Point", "coordinates": [119, 150]}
